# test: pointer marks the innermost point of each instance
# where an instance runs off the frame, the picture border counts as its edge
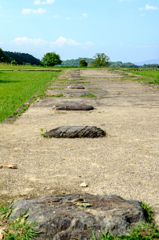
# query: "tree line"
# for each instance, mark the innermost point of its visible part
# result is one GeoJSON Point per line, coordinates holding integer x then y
{"type": "Point", "coordinates": [52, 59]}
{"type": "Point", "coordinates": [18, 58]}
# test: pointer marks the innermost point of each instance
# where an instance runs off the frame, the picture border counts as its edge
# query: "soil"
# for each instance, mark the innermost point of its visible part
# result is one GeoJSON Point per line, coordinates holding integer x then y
{"type": "Point", "coordinates": [124, 163]}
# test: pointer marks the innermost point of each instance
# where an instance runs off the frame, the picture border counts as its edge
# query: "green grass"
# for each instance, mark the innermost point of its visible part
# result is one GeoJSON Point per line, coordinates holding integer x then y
{"type": "Point", "coordinates": [42, 95]}
{"type": "Point", "coordinates": [20, 229]}
{"type": "Point", "coordinates": [17, 87]}
{"type": "Point", "coordinates": [89, 95]}
{"type": "Point", "coordinates": [143, 231]}
{"type": "Point", "coordinates": [148, 73]}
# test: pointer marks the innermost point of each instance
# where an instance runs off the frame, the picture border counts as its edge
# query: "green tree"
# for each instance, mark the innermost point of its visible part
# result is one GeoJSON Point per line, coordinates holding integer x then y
{"type": "Point", "coordinates": [83, 63]}
{"type": "Point", "coordinates": [100, 60]}
{"type": "Point", "coordinates": [3, 57]}
{"type": "Point", "coordinates": [51, 59]}
{"type": "Point", "coordinates": [13, 62]}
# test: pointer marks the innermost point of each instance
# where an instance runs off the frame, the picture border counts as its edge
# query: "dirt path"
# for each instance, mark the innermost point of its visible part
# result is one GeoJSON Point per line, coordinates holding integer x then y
{"type": "Point", "coordinates": [125, 163]}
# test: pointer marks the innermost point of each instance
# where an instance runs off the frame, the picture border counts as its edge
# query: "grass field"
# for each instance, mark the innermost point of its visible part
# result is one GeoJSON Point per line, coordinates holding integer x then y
{"type": "Point", "coordinates": [17, 87]}
{"type": "Point", "coordinates": [150, 74]}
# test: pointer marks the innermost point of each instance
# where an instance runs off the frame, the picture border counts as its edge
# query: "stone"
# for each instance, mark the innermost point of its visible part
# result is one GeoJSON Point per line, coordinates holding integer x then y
{"type": "Point", "coordinates": [156, 86]}
{"type": "Point", "coordinates": [62, 217]}
{"type": "Point", "coordinates": [83, 185]}
{"type": "Point", "coordinates": [76, 132]}
{"type": "Point", "coordinates": [76, 87]}
{"type": "Point", "coordinates": [75, 107]}
{"type": "Point", "coordinates": [147, 82]}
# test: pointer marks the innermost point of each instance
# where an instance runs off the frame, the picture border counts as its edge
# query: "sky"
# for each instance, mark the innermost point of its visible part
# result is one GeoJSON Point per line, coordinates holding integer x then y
{"type": "Point", "coordinates": [125, 30]}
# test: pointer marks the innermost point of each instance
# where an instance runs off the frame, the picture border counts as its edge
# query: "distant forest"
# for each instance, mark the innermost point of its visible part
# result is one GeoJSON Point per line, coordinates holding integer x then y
{"type": "Point", "coordinates": [27, 59]}
{"type": "Point", "coordinates": [75, 62]}
{"type": "Point", "coordinates": [22, 58]}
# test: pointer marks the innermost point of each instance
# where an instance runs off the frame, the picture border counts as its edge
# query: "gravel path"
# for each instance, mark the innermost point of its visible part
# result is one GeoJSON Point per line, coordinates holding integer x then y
{"type": "Point", "coordinates": [125, 163]}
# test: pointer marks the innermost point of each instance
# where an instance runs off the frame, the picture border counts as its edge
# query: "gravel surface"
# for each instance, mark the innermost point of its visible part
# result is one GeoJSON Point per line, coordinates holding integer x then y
{"type": "Point", "coordinates": [125, 163]}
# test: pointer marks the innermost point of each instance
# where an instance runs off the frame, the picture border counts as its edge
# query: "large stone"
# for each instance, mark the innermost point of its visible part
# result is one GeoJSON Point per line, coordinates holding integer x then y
{"type": "Point", "coordinates": [76, 87]}
{"type": "Point", "coordinates": [75, 107]}
{"type": "Point", "coordinates": [71, 216]}
{"type": "Point", "coordinates": [156, 86]}
{"type": "Point", "coordinates": [76, 132]}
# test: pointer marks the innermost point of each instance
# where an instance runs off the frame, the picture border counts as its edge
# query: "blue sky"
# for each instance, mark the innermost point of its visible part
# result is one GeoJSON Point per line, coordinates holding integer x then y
{"type": "Point", "coordinates": [125, 30]}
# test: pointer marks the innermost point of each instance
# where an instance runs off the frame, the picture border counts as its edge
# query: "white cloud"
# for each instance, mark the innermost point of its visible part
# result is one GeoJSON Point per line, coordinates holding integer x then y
{"type": "Point", "coordinates": [60, 42]}
{"type": "Point", "coordinates": [26, 11]}
{"type": "Point", "coordinates": [148, 7]}
{"type": "Point", "coordinates": [68, 18]}
{"type": "Point", "coordinates": [84, 16]}
{"type": "Point", "coordinates": [57, 16]}
{"type": "Point", "coordinates": [88, 43]}
{"type": "Point", "coordinates": [26, 40]}
{"type": "Point", "coordinates": [0, 6]}
{"type": "Point", "coordinates": [39, 11]}
{"type": "Point", "coordinates": [47, 2]}
{"type": "Point", "coordinates": [37, 2]}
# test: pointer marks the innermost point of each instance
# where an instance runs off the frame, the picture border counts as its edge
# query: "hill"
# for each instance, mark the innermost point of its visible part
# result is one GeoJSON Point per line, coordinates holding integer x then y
{"type": "Point", "coordinates": [148, 62]}
{"type": "Point", "coordinates": [22, 58]}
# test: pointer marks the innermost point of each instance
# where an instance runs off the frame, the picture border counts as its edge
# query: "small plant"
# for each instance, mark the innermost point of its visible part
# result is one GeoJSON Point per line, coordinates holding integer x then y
{"type": "Point", "coordinates": [43, 134]}
{"type": "Point", "coordinates": [148, 212]}
{"type": "Point", "coordinates": [142, 231]}
{"type": "Point", "coordinates": [42, 94]}
{"type": "Point", "coordinates": [89, 95]}
{"type": "Point", "coordinates": [58, 95]}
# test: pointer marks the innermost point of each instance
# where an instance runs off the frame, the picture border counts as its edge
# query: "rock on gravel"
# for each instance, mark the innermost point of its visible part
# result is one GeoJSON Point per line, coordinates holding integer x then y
{"type": "Point", "coordinates": [76, 132]}
{"type": "Point", "coordinates": [71, 216]}
{"type": "Point", "coordinates": [73, 107]}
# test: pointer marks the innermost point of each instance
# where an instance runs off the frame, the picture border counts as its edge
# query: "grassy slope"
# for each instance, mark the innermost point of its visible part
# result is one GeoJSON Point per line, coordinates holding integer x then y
{"type": "Point", "coordinates": [17, 87]}
{"type": "Point", "coordinates": [147, 73]}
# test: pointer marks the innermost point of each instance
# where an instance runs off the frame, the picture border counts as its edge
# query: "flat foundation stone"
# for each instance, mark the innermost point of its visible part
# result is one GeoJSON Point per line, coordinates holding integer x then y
{"type": "Point", "coordinates": [75, 107]}
{"type": "Point", "coordinates": [156, 86]}
{"type": "Point", "coordinates": [76, 87]}
{"type": "Point", "coordinates": [76, 132]}
{"type": "Point", "coordinates": [63, 217]}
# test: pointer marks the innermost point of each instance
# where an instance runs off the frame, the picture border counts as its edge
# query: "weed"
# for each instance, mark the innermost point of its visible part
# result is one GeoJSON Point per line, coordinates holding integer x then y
{"type": "Point", "coordinates": [61, 112]}
{"type": "Point", "coordinates": [20, 229]}
{"type": "Point", "coordinates": [58, 95]}
{"type": "Point", "coordinates": [43, 134]}
{"type": "Point", "coordinates": [88, 95]}
{"type": "Point", "coordinates": [148, 212]}
{"type": "Point", "coordinates": [142, 231]}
